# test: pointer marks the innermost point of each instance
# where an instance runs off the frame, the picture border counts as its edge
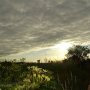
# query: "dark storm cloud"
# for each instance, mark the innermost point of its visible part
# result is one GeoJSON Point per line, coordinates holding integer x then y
{"type": "Point", "coordinates": [26, 24]}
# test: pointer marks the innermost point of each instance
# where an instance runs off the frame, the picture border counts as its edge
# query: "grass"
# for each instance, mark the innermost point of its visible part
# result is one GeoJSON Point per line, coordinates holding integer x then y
{"type": "Point", "coordinates": [44, 76]}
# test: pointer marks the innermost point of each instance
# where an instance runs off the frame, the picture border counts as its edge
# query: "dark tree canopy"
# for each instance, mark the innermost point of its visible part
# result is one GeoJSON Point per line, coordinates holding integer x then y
{"type": "Point", "coordinates": [78, 52]}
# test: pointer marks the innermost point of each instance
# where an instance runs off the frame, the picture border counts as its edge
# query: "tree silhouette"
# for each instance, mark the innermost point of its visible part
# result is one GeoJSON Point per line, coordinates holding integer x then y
{"type": "Point", "coordinates": [22, 59]}
{"type": "Point", "coordinates": [78, 53]}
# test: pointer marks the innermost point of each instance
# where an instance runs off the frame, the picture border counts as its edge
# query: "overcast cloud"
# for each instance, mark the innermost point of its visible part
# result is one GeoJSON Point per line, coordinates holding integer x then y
{"type": "Point", "coordinates": [27, 24]}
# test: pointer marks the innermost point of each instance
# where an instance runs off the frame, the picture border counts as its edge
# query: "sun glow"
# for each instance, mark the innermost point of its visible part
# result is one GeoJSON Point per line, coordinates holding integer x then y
{"type": "Point", "coordinates": [62, 49]}
{"type": "Point", "coordinates": [63, 46]}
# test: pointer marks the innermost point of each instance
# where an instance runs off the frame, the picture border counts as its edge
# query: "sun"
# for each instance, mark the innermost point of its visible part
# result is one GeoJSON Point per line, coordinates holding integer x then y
{"type": "Point", "coordinates": [63, 46]}
{"type": "Point", "coordinates": [61, 49]}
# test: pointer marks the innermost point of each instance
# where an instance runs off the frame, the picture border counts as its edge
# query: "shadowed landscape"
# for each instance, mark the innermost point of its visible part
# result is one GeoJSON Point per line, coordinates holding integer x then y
{"type": "Point", "coordinates": [72, 73]}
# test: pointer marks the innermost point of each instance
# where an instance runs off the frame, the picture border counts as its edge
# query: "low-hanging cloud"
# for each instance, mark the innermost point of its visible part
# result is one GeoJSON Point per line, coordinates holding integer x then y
{"type": "Point", "coordinates": [27, 24]}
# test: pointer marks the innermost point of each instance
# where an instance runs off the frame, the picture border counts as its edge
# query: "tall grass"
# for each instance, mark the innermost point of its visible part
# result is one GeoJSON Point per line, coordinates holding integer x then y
{"type": "Point", "coordinates": [44, 76]}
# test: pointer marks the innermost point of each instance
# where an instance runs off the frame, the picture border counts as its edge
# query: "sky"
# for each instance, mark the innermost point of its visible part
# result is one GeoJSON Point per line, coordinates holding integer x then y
{"type": "Point", "coordinates": [30, 28]}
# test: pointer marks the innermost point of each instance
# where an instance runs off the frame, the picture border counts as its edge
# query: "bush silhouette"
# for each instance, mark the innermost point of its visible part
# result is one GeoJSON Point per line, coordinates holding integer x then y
{"type": "Point", "coordinates": [78, 53]}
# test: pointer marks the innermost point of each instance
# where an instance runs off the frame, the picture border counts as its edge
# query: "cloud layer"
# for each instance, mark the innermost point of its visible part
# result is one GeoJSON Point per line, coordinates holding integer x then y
{"type": "Point", "coordinates": [27, 24]}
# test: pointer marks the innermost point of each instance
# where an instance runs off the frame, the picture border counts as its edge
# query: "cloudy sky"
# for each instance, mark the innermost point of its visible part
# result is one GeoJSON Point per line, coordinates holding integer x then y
{"type": "Point", "coordinates": [30, 27]}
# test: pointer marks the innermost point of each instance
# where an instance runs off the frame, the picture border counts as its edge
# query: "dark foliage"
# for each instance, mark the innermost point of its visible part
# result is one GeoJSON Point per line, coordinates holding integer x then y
{"type": "Point", "coordinates": [72, 73]}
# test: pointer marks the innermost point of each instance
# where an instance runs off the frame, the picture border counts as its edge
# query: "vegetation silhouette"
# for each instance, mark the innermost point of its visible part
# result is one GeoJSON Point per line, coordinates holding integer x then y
{"type": "Point", "coordinates": [72, 73]}
{"type": "Point", "coordinates": [78, 53]}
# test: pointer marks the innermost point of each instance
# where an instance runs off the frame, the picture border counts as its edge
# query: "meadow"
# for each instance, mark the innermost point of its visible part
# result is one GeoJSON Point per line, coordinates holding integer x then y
{"type": "Point", "coordinates": [72, 73]}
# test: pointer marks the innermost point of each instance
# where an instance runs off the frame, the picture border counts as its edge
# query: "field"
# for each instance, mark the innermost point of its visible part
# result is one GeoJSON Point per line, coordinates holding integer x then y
{"type": "Point", "coordinates": [72, 73]}
{"type": "Point", "coordinates": [44, 76]}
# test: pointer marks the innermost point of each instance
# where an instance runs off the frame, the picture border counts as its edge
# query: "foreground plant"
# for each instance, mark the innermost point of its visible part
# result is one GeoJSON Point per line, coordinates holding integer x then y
{"type": "Point", "coordinates": [37, 79]}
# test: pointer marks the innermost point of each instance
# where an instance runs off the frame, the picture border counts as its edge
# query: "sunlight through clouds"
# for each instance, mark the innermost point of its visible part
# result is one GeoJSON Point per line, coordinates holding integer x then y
{"type": "Point", "coordinates": [29, 24]}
